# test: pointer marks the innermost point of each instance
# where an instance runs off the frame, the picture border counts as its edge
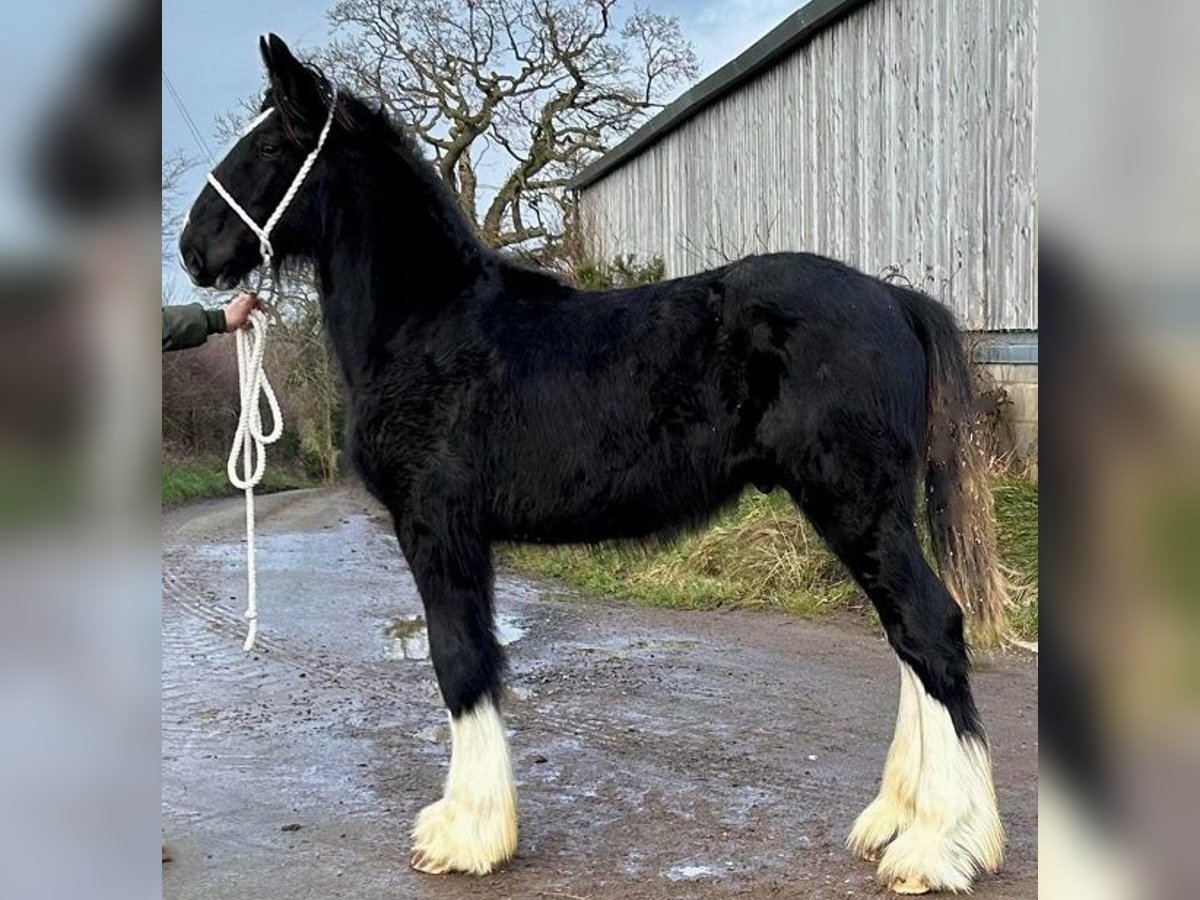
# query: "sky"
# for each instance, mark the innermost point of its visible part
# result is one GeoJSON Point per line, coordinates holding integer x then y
{"type": "Point", "coordinates": [210, 53]}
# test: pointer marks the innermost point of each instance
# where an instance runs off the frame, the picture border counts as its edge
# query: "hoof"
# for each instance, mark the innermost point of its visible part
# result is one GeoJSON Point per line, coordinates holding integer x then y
{"type": "Point", "coordinates": [450, 837]}
{"type": "Point", "coordinates": [426, 862]}
{"type": "Point", "coordinates": [911, 884]}
{"type": "Point", "coordinates": [473, 828]}
{"type": "Point", "coordinates": [876, 827]}
{"type": "Point", "coordinates": [922, 860]}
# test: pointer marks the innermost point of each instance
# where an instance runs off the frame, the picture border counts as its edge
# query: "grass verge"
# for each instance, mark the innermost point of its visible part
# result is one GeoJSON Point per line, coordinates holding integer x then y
{"type": "Point", "coordinates": [762, 553]}
{"type": "Point", "coordinates": [1017, 530]}
{"type": "Point", "coordinates": [186, 480]}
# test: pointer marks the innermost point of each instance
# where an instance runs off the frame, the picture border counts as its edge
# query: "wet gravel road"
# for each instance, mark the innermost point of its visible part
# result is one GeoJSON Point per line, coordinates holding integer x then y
{"type": "Point", "coordinates": [657, 753]}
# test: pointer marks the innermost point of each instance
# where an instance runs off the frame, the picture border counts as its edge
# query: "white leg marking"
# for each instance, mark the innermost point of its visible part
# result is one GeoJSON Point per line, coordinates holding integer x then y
{"type": "Point", "coordinates": [892, 809]}
{"type": "Point", "coordinates": [955, 830]}
{"type": "Point", "coordinates": [473, 828]}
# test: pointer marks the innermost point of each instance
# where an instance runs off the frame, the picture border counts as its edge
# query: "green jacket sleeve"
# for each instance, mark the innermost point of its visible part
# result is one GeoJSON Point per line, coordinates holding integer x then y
{"type": "Point", "coordinates": [189, 326]}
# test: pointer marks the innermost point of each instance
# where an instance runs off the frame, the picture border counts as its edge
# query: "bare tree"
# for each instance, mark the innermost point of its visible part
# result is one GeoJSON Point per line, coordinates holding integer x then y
{"type": "Point", "coordinates": [311, 379]}
{"type": "Point", "coordinates": [512, 97]}
{"type": "Point", "coordinates": [175, 164]}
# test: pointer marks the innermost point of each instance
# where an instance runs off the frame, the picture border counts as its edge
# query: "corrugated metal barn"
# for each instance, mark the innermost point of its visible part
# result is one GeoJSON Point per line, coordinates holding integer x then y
{"type": "Point", "coordinates": [897, 135]}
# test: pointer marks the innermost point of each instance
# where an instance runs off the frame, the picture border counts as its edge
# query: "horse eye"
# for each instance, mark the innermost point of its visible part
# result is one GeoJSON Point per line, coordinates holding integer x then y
{"type": "Point", "coordinates": [268, 148]}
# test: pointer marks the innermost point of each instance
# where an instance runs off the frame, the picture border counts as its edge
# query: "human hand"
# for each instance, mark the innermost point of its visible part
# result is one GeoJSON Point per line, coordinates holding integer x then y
{"type": "Point", "coordinates": [237, 313]}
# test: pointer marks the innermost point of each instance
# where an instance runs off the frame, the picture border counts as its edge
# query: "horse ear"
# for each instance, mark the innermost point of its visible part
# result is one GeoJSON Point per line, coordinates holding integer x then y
{"type": "Point", "coordinates": [295, 87]}
{"type": "Point", "coordinates": [277, 55]}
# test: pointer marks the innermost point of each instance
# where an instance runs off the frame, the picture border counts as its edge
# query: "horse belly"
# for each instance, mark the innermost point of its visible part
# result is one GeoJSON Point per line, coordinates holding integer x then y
{"type": "Point", "coordinates": [569, 499]}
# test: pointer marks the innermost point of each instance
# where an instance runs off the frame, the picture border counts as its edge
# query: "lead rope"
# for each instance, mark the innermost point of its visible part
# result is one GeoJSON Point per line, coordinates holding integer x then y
{"type": "Point", "coordinates": [249, 441]}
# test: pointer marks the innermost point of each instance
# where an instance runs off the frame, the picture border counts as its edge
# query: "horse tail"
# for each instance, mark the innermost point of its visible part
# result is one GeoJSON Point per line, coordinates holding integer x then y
{"type": "Point", "coordinates": [958, 495]}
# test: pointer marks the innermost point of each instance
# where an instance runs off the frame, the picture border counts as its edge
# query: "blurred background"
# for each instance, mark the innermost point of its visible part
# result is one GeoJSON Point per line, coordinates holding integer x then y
{"type": "Point", "coordinates": [1120, 277]}
{"type": "Point", "coordinates": [82, 256]}
{"type": "Point", "coordinates": [79, 410]}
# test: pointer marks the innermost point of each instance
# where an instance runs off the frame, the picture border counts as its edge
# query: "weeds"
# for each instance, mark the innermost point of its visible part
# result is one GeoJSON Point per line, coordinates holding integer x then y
{"type": "Point", "coordinates": [183, 481]}
{"type": "Point", "coordinates": [762, 553]}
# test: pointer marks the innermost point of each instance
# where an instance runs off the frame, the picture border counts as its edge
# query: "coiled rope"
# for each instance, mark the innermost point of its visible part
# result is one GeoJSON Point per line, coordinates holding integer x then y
{"type": "Point", "coordinates": [250, 445]}
{"type": "Point", "coordinates": [250, 442]}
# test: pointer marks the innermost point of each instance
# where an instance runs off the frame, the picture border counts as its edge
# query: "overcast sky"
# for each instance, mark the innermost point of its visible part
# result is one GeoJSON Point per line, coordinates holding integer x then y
{"type": "Point", "coordinates": [210, 51]}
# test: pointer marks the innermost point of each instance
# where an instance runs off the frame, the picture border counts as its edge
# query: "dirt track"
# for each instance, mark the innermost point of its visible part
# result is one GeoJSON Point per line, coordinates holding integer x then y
{"type": "Point", "coordinates": [657, 753]}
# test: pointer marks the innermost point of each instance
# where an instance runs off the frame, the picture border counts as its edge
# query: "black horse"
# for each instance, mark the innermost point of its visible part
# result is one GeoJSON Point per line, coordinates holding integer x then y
{"type": "Point", "coordinates": [491, 402]}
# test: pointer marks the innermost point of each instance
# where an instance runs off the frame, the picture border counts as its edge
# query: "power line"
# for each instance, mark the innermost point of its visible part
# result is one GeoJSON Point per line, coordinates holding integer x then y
{"type": "Point", "coordinates": [187, 117]}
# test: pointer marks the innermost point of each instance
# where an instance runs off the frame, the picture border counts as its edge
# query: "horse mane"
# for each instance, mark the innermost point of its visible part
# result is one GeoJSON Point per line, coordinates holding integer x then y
{"type": "Point", "coordinates": [377, 129]}
{"type": "Point", "coordinates": [359, 117]}
{"type": "Point", "coordinates": [380, 132]}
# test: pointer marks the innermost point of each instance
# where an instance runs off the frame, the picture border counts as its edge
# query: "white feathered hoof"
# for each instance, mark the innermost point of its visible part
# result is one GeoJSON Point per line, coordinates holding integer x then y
{"type": "Point", "coordinates": [947, 853]}
{"type": "Point", "coordinates": [891, 812]}
{"type": "Point", "coordinates": [955, 832]}
{"type": "Point", "coordinates": [920, 860]}
{"type": "Point", "coordinates": [451, 837]}
{"type": "Point", "coordinates": [877, 825]}
{"type": "Point", "coordinates": [473, 828]}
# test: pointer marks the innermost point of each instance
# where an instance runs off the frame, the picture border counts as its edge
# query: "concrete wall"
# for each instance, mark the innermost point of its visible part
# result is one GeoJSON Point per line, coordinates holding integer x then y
{"type": "Point", "coordinates": [1021, 384]}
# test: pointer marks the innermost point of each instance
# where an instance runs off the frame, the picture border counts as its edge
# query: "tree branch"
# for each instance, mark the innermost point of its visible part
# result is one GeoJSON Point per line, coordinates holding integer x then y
{"type": "Point", "coordinates": [548, 84]}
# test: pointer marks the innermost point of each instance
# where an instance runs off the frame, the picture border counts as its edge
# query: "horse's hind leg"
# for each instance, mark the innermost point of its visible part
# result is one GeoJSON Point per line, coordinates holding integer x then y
{"type": "Point", "coordinates": [892, 809]}
{"type": "Point", "coordinates": [934, 822]}
{"type": "Point", "coordinates": [473, 827]}
{"type": "Point", "coordinates": [954, 832]}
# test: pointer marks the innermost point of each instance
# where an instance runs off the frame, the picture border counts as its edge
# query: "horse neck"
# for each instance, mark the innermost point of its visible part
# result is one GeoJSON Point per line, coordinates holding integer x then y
{"type": "Point", "coordinates": [392, 246]}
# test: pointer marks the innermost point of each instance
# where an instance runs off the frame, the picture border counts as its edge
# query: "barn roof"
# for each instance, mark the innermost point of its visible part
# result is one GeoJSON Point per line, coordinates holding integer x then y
{"type": "Point", "coordinates": [798, 28]}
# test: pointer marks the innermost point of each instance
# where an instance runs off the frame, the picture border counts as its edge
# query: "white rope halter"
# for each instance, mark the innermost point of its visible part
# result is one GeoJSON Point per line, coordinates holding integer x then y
{"type": "Point", "coordinates": [249, 441]}
{"type": "Point", "coordinates": [264, 232]}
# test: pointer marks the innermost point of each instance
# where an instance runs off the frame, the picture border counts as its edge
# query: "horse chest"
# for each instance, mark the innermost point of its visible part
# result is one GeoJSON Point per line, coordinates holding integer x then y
{"type": "Point", "coordinates": [398, 436]}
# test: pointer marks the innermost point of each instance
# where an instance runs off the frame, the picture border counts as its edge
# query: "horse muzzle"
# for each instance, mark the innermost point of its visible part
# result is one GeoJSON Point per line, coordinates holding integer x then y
{"type": "Point", "coordinates": [207, 272]}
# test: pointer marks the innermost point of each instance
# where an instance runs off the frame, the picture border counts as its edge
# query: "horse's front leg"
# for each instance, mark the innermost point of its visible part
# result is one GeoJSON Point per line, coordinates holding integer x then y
{"type": "Point", "coordinates": [473, 828]}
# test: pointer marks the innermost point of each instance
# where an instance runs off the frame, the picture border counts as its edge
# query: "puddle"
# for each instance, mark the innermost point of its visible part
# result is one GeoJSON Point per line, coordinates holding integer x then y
{"type": "Point", "coordinates": [406, 637]}
{"type": "Point", "coordinates": [508, 630]}
{"type": "Point", "coordinates": [664, 645]}
{"type": "Point", "coordinates": [692, 872]}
